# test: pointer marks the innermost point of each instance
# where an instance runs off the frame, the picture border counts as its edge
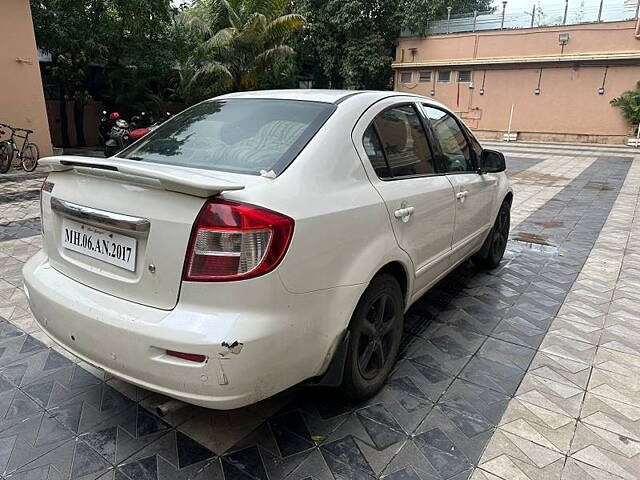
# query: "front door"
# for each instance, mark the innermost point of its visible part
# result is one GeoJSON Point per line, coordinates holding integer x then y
{"type": "Point", "coordinates": [418, 199]}
{"type": "Point", "coordinates": [474, 193]}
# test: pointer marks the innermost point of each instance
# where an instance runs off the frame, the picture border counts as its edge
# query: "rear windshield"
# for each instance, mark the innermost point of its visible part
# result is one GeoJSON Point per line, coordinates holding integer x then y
{"type": "Point", "coordinates": [235, 135]}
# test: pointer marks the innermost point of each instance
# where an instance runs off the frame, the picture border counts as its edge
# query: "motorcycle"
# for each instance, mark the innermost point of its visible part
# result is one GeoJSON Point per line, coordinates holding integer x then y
{"type": "Point", "coordinates": [118, 138]}
{"type": "Point", "coordinates": [122, 134]}
{"type": "Point", "coordinates": [105, 125]}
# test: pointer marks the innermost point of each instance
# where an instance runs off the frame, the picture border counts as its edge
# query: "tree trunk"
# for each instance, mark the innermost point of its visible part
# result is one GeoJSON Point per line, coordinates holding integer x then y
{"type": "Point", "coordinates": [64, 123]}
{"type": "Point", "coordinates": [236, 83]}
{"type": "Point", "coordinates": [78, 117]}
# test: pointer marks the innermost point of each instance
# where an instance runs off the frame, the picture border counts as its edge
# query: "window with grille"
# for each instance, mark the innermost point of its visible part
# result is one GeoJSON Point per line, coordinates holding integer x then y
{"type": "Point", "coordinates": [425, 77]}
{"type": "Point", "coordinates": [405, 77]}
{"type": "Point", "coordinates": [464, 76]}
{"type": "Point", "coordinates": [444, 76]}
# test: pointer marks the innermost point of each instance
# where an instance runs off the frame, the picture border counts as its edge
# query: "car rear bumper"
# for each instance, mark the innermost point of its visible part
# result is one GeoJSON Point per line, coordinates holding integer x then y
{"type": "Point", "coordinates": [287, 340]}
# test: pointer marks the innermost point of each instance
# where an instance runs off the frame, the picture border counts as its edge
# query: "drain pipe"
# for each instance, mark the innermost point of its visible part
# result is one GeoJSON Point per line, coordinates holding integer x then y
{"type": "Point", "coordinates": [508, 135]}
{"type": "Point", "coordinates": [169, 406]}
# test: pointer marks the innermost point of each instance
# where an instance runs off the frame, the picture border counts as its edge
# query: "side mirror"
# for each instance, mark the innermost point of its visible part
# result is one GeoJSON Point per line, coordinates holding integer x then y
{"type": "Point", "coordinates": [492, 161]}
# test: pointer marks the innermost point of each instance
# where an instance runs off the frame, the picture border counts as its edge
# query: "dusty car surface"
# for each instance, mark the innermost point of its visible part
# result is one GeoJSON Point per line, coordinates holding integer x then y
{"type": "Point", "coordinates": [261, 239]}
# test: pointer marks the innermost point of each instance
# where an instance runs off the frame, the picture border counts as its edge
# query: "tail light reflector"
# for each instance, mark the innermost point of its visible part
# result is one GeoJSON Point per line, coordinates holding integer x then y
{"type": "Point", "coordinates": [235, 241]}
{"type": "Point", "coordinates": [192, 357]}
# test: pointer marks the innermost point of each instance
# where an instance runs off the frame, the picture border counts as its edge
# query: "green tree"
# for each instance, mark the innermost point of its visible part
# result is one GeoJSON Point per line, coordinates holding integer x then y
{"type": "Point", "coordinates": [348, 43]}
{"type": "Point", "coordinates": [131, 40]}
{"type": "Point", "coordinates": [351, 43]}
{"type": "Point", "coordinates": [71, 31]}
{"type": "Point", "coordinates": [629, 104]}
{"type": "Point", "coordinates": [242, 40]}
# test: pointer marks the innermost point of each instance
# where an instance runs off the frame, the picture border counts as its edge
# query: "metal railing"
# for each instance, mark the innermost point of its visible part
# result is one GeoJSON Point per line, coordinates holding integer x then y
{"type": "Point", "coordinates": [541, 13]}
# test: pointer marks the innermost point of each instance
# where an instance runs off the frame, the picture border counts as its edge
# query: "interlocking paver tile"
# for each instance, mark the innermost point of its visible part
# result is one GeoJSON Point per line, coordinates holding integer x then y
{"type": "Point", "coordinates": [623, 414]}
{"type": "Point", "coordinates": [539, 425]}
{"type": "Point", "coordinates": [498, 360]}
{"type": "Point", "coordinates": [509, 456]}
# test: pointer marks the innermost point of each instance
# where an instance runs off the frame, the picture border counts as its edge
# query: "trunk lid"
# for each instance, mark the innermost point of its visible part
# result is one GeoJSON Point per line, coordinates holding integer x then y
{"type": "Point", "coordinates": [121, 206]}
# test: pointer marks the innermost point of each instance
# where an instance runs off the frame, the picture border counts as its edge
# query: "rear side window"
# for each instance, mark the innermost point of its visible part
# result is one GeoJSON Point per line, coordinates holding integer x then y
{"type": "Point", "coordinates": [236, 135]}
{"type": "Point", "coordinates": [454, 145]}
{"type": "Point", "coordinates": [403, 143]}
{"type": "Point", "coordinates": [374, 151]}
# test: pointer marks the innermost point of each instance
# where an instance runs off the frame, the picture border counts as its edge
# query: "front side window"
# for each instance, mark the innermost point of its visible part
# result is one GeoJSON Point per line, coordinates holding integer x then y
{"type": "Point", "coordinates": [473, 143]}
{"type": "Point", "coordinates": [453, 143]}
{"type": "Point", "coordinates": [235, 135]}
{"type": "Point", "coordinates": [403, 142]}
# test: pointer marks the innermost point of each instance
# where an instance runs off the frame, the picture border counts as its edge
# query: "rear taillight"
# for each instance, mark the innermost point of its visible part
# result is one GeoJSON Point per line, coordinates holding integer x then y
{"type": "Point", "coordinates": [235, 241]}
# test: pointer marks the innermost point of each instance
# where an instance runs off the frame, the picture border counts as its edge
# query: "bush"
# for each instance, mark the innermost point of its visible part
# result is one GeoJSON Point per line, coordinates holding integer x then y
{"type": "Point", "coordinates": [629, 103]}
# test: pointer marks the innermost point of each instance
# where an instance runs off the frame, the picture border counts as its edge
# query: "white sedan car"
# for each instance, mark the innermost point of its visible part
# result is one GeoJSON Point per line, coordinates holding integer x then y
{"type": "Point", "coordinates": [261, 239]}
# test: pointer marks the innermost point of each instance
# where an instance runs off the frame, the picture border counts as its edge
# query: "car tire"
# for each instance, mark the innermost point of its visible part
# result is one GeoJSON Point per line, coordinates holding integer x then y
{"type": "Point", "coordinates": [110, 151]}
{"type": "Point", "coordinates": [491, 253]}
{"type": "Point", "coordinates": [375, 332]}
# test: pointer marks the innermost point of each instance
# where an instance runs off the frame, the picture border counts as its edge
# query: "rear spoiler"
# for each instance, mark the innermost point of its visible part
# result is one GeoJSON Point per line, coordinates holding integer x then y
{"type": "Point", "coordinates": [200, 183]}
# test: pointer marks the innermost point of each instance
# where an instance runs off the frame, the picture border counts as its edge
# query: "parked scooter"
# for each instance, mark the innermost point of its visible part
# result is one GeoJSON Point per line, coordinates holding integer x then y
{"type": "Point", "coordinates": [106, 123]}
{"type": "Point", "coordinates": [118, 138]}
{"type": "Point", "coordinates": [123, 133]}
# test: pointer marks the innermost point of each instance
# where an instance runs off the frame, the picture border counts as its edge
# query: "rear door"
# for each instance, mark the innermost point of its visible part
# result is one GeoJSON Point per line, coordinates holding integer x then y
{"type": "Point", "coordinates": [474, 193]}
{"type": "Point", "coordinates": [392, 142]}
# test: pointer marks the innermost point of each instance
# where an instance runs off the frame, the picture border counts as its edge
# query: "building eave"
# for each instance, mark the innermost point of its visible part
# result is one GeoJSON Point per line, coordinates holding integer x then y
{"type": "Point", "coordinates": [587, 57]}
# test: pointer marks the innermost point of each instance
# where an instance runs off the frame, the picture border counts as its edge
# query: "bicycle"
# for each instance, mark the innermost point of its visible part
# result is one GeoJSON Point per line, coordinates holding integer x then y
{"type": "Point", "coordinates": [28, 154]}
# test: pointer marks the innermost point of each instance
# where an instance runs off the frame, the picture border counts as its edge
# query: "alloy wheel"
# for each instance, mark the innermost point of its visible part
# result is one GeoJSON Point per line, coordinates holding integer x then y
{"type": "Point", "coordinates": [376, 336]}
{"type": "Point", "coordinates": [501, 233]}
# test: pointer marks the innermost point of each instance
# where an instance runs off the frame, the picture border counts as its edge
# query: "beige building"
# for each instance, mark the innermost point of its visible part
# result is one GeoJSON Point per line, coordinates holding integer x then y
{"type": "Point", "coordinates": [21, 95]}
{"type": "Point", "coordinates": [559, 80]}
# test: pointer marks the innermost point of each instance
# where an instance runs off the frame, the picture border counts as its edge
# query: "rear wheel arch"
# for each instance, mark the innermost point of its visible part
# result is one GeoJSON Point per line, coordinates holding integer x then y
{"type": "Point", "coordinates": [399, 272]}
{"type": "Point", "coordinates": [337, 355]}
{"type": "Point", "coordinates": [374, 336]}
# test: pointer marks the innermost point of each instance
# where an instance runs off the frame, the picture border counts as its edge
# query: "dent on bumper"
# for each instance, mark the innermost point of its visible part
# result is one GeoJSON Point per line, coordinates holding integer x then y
{"type": "Point", "coordinates": [251, 355]}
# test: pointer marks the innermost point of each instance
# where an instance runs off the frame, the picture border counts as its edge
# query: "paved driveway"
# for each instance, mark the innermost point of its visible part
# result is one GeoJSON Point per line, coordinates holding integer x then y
{"type": "Point", "coordinates": [529, 371]}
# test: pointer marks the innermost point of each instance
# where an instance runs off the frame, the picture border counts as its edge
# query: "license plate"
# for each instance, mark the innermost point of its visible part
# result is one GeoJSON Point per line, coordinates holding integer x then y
{"type": "Point", "coordinates": [109, 247]}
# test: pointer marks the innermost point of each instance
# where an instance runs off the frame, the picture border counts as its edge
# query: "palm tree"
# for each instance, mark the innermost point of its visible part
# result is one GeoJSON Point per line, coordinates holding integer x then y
{"type": "Point", "coordinates": [629, 103]}
{"type": "Point", "coordinates": [243, 38]}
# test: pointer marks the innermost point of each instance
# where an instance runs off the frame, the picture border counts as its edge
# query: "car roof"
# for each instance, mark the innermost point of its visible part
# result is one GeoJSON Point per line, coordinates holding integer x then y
{"type": "Point", "coordinates": [308, 94]}
{"type": "Point", "coordinates": [324, 95]}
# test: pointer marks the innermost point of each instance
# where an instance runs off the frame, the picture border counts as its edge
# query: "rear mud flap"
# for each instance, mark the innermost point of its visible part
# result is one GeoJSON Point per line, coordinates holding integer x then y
{"type": "Point", "coordinates": [335, 373]}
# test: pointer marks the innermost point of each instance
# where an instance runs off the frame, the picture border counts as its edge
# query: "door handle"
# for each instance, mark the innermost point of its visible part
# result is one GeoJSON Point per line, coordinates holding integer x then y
{"type": "Point", "coordinates": [462, 196]}
{"type": "Point", "coordinates": [404, 213]}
